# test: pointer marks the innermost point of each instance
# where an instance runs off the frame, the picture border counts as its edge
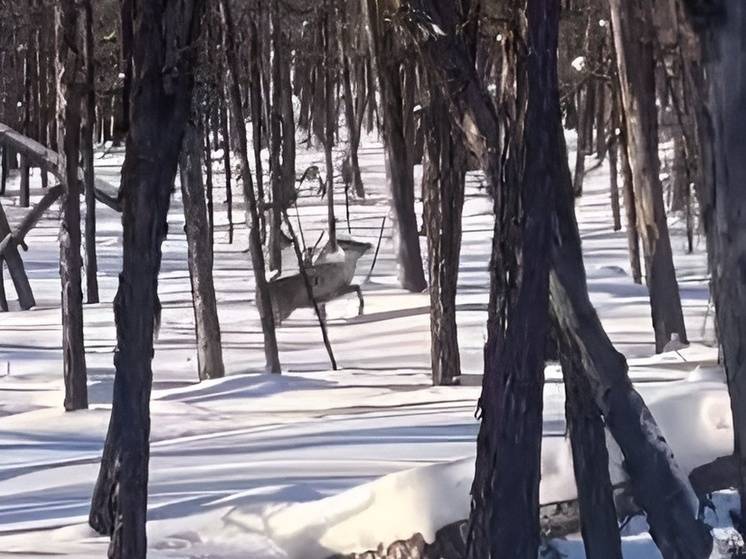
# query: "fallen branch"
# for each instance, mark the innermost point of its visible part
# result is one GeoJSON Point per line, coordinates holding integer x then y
{"type": "Point", "coordinates": [17, 236]}
{"type": "Point", "coordinates": [48, 161]}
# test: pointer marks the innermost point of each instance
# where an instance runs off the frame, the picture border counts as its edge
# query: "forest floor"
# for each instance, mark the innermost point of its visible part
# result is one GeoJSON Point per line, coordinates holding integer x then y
{"type": "Point", "coordinates": [292, 466]}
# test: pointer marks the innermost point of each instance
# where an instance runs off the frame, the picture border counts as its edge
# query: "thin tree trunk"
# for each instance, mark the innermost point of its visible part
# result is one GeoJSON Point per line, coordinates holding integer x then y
{"type": "Point", "coordinates": [590, 458]}
{"type": "Point", "coordinates": [614, 168]}
{"type": "Point", "coordinates": [276, 140]}
{"type": "Point", "coordinates": [264, 303]}
{"type": "Point", "coordinates": [71, 38]}
{"type": "Point", "coordinates": [630, 210]}
{"type": "Point", "coordinates": [351, 119]}
{"type": "Point", "coordinates": [330, 46]}
{"type": "Point", "coordinates": [633, 38]}
{"type": "Point", "coordinates": [443, 194]}
{"type": "Point", "coordinates": [227, 167]}
{"type": "Point", "coordinates": [200, 259]}
{"type": "Point", "coordinates": [398, 164]}
{"type": "Point", "coordinates": [164, 34]}
{"type": "Point", "coordinates": [86, 145]}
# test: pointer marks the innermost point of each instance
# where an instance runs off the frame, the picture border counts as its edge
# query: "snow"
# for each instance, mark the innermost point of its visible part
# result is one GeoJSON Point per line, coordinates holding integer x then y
{"type": "Point", "coordinates": [315, 462]}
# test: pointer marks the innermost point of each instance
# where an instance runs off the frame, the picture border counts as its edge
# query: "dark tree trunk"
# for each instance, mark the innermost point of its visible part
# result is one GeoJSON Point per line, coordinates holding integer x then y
{"type": "Point", "coordinates": [200, 258]}
{"type": "Point", "coordinates": [658, 484]}
{"type": "Point", "coordinates": [351, 118]}
{"type": "Point", "coordinates": [121, 117]}
{"type": "Point", "coordinates": [512, 399]}
{"type": "Point", "coordinates": [264, 303]}
{"type": "Point", "coordinates": [634, 41]}
{"type": "Point", "coordinates": [71, 38]}
{"type": "Point", "coordinates": [443, 195]}
{"type": "Point", "coordinates": [723, 200]}
{"type": "Point", "coordinates": [660, 487]}
{"type": "Point", "coordinates": [614, 170]}
{"type": "Point", "coordinates": [399, 167]}
{"type": "Point", "coordinates": [257, 120]}
{"type": "Point", "coordinates": [276, 141]}
{"type": "Point", "coordinates": [164, 35]}
{"type": "Point", "coordinates": [86, 147]}
{"type": "Point", "coordinates": [630, 210]}
{"type": "Point", "coordinates": [598, 518]}
{"type": "Point", "coordinates": [224, 130]}
{"type": "Point", "coordinates": [330, 123]}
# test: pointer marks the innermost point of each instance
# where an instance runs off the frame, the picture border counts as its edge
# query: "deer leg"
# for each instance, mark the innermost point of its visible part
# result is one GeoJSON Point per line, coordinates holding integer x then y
{"type": "Point", "coordinates": [360, 298]}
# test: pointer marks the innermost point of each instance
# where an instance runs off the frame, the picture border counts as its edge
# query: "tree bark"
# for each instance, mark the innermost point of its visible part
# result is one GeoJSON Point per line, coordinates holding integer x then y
{"type": "Point", "coordinates": [264, 303]}
{"type": "Point", "coordinates": [512, 400]}
{"type": "Point", "coordinates": [399, 167]}
{"type": "Point", "coordinates": [598, 517]}
{"type": "Point", "coordinates": [164, 36]}
{"type": "Point", "coordinates": [86, 147]}
{"type": "Point", "coordinates": [658, 484]}
{"type": "Point", "coordinates": [330, 114]}
{"type": "Point", "coordinates": [200, 259]}
{"type": "Point", "coordinates": [70, 31]}
{"type": "Point", "coordinates": [15, 267]}
{"type": "Point", "coordinates": [723, 202]}
{"type": "Point", "coordinates": [443, 196]}
{"type": "Point", "coordinates": [633, 39]}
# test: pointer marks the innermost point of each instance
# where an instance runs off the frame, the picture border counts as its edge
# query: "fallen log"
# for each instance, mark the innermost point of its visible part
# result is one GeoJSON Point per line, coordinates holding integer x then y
{"type": "Point", "coordinates": [16, 268]}
{"type": "Point", "coordinates": [48, 160]}
{"type": "Point", "coordinates": [16, 237]}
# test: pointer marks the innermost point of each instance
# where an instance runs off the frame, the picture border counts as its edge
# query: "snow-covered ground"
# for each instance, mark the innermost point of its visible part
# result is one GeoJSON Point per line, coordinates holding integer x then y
{"type": "Point", "coordinates": [291, 466]}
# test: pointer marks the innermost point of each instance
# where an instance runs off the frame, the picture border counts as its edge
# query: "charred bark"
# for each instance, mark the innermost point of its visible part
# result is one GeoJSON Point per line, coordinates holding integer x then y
{"type": "Point", "coordinates": [88, 123]}
{"type": "Point", "coordinates": [70, 31]}
{"type": "Point", "coordinates": [165, 34]}
{"type": "Point", "coordinates": [443, 196]}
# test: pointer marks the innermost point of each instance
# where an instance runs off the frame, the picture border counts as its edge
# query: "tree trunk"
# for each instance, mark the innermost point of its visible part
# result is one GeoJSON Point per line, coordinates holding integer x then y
{"type": "Point", "coordinates": [276, 141]}
{"type": "Point", "coordinates": [633, 38]}
{"type": "Point", "coordinates": [658, 484]}
{"type": "Point", "coordinates": [443, 195]}
{"type": "Point", "coordinates": [71, 38]}
{"type": "Point", "coordinates": [264, 303]}
{"type": "Point", "coordinates": [165, 34]}
{"type": "Point", "coordinates": [399, 168]}
{"type": "Point", "coordinates": [660, 487]}
{"type": "Point", "coordinates": [330, 123]}
{"type": "Point", "coordinates": [723, 202]}
{"type": "Point", "coordinates": [351, 118]}
{"type": "Point", "coordinates": [598, 518]}
{"type": "Point", "coordinates": [200, 259]}
{"type": "Point", "coordinates": [512, 400]}
{"type": "Point", "coordinates": [86, 147]}
{"type": "Point", "coordinates": [227, 167]}
{"type": "Point", "coordinates": [121, 117]}
{"type": "Point", "coordinates": [630, 210]}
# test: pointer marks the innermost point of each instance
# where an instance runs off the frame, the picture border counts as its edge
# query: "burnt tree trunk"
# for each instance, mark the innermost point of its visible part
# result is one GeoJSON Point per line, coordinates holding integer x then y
{"type": "Point", "coordinates": [658, 484]}
{"type": "Point", "coordinates": [723, 202]}
{"type": "Point", "coordinates": [86, 147]}
{"type": "Point", "coordinates": [630, 210]}
{"type": "Point", "coordinates": [164, 36]}
{"type": "Point", "coordinates": [275, 150]}
{"type": "Point", "coordinates": [121, 117]}
{"type": "Point", "coordinates": [634, 42]}
{"type": "Point", "coordinates": [443, 184]}
{"type": "Point", "coordinates": [512, 400]}
{"type": "Point", "coordinates": [598, 517]}
{"type": "Point", "coordinates": [70, 39]}
{"type": "Point", "coordinates": [200, 259]}
{"type": "Point", "coordinates": [264, 303]}
{"type": "Point", "coordinates": [613, 152]}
